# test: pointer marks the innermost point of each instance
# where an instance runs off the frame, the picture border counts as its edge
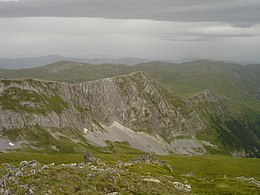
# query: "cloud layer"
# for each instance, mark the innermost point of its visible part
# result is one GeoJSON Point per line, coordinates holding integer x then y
{"type": "Point", "coordinates": [237, 12]}
{"type": "Point", "coordinates": [171, 29]}
{"type": "Point", "coordinates": [97, 37]}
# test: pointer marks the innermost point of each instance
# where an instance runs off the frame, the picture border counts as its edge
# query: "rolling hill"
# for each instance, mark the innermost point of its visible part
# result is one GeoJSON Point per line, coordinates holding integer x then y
{"type": "Point", "coordinates": [31, 62]}
{"type": "Point", "coordinates": [240, 83]}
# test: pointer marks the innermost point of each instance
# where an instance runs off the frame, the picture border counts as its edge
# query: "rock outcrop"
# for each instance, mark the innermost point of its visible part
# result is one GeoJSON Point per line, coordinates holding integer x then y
{"type": "Point", "coordinates": [131, 108]}
{"type": "Point", "coordinates": [135, 101]}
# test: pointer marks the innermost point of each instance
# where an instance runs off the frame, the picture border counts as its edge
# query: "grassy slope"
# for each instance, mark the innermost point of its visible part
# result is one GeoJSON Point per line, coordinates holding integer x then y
{"type": "Point", "coordinates": [235, 81]}
{"type": "Point", "coordinates": [68, 71]}
{"type": "Point", "coordinates": [234, 126]}
{"type": "Point", "coordinates": [206, 174]}
{"type": "Point", "coordinates": [241, 128]}
{"type": "Point", "coordinates": [203, 166]}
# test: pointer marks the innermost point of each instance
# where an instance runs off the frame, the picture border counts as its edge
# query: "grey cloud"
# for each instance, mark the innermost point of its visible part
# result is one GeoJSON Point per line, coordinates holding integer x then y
{"type": "Point", "coordinates": [177, 37]}
{"type": "Point", "coordinates": [237, 12]}
{"type": "Point", "coordinates": [96, 37]}
{"type": "Point", "coordinates": [201, 37]}
{"type": "Point", "coordinates": [212, 31]}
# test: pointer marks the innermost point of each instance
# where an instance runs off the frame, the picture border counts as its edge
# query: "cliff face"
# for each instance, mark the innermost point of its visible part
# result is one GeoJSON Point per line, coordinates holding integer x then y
{"type": "Point", "coordinates": [134, 100]}
{"type": "Point", "coordinates": [43, 115]}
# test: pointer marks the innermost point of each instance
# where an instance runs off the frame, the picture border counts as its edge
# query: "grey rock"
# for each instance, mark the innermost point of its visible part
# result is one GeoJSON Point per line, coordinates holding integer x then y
{"type": "Point", "coordinates": [134, 100]}
{"type": "Point", "coordinates": [249, 180]}
{"type": "Point", "coordinates": [182, 187]}
{"type": "Point", "coordinates": [90, 158]}
{"type": "Point", "coordinates": [31, 164]}
{"type": "Point", "coordinates": [147, 158]}
{"type": "Point", "coordinates": [113, 193]}
{"type": "Point", "coordinates": [18, 173]}
{"type": "Point", "coordinates": [151, 158]}
{"type": "Point", "coordinates": [8, 192]}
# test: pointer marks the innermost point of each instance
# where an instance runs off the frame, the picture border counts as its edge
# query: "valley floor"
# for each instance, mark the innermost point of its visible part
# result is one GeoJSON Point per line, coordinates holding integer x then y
{"type": "Point", "coordinates": [118, 173]}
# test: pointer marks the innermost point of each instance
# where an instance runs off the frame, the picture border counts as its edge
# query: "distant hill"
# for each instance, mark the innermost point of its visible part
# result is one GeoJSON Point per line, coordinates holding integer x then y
{"type": "Point", "coordinates": [241, 83]}
{"type": "Point", "coordinates": [31, 62]}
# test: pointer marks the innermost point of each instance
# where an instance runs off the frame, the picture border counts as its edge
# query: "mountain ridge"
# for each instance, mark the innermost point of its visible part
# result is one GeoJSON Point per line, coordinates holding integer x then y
{"type": "Point", "coordinates": [240, 83]}
{"type": "Point", "coordinates": [48, 109]}
{"type": "Point", "coordinates": [61, 105]}
{"type": "Point", "coordinates": [33, 62]}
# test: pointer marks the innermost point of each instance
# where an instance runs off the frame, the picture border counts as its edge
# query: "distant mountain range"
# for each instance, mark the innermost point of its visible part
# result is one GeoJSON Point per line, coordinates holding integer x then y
{"type": "Point", "coordinates": [31, 62]}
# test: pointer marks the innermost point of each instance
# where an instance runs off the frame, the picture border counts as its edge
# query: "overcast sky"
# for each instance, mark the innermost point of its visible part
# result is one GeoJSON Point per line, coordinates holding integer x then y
{"type": "Point", "coordinates": [157, 29]}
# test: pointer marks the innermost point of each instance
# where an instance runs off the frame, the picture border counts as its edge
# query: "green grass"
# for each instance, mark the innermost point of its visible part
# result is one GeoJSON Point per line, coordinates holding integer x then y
{"type": "Point", "coordinates": [44, 141]}
{"type": "Point", "coordinates": [18, 99]}
{"type": "Point", "coordinates": [45, 158]}
{"type": "Point", "coordinates": [201, 166]}
{"type": "Point", "coordinates": [212, 174]}
{"type": "Point", "coordinates": [215, 165]}
{"type": "Point", "coordinates": [121, 147]}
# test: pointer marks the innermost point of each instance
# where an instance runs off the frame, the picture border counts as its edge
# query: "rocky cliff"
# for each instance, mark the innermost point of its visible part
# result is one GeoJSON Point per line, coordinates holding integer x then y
{"type": "Point", "coordinates": [44, 114]}
{"type": "Point", "coordinates": [133, 100]}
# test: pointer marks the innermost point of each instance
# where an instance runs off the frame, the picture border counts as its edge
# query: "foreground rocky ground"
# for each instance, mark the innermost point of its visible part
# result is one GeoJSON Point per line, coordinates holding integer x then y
{"type": "Point", "coordinates": [93, 176]}
{"type": "Point", "coordinates": [145, 174]}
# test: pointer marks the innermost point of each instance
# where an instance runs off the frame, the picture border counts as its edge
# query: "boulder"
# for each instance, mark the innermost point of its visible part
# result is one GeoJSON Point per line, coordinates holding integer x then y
{"type": "Point", "coordinates": [90, 158]}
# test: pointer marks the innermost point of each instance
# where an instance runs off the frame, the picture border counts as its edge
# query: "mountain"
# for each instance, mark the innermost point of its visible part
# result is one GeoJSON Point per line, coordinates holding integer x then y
{"type": "Point", "coordinates": [31, 62]}
{"type": "Point", "coordinates": [234, 125]}
{"type": "Point", "coordinates": [135, 101]}
{"type": "Point", "coordinates": [133, 108]}
{"type": "Point", "coordinates": [28, 62]}
{"type": "Point", "coordinates": [240, 83]}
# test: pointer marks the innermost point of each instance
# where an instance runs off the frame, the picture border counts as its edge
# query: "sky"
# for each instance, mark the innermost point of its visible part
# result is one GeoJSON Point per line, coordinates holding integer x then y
{"type": "Point", "coordinates": [154, 29]}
